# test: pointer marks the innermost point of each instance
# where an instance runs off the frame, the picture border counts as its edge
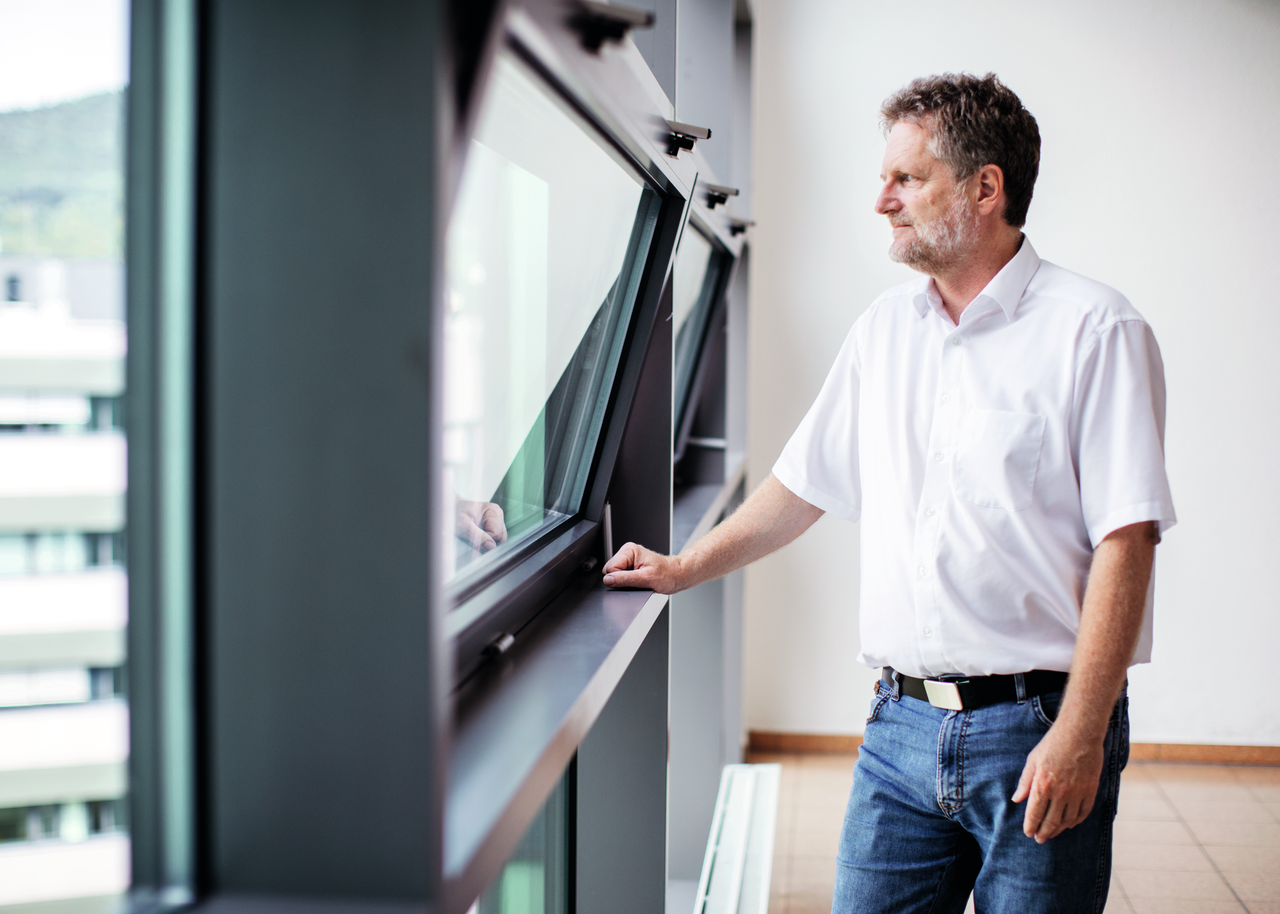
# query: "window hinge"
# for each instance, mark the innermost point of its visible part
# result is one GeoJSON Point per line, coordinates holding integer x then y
{"type": "Point", "coordinates": [601, 22]}
{"type": "Point", "coordinates": [684, 136]}
{"type": "Point", "coordinates": [717, 194]}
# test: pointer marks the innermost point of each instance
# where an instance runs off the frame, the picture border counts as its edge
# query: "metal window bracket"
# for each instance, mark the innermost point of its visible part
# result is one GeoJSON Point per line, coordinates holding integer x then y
{"type": "Point", "coordinates": [738, 226]}
{"type": "Point", "coordinates": [601, 22]}
{"type": "Point", "coordinates": [718, 194]}
{"type": "Point", "coordinates": [684, 136]}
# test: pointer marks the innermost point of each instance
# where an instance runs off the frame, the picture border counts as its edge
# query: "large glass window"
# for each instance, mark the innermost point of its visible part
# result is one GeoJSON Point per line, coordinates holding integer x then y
{"type": "Point", "coordinates": [548, 237]}
{"type": "Point", "coordinates": [63, 719]}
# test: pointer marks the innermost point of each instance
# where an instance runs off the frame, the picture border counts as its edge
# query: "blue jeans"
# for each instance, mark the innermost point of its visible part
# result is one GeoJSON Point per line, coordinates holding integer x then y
{"type": "Point", "coordinates": [930, 820]}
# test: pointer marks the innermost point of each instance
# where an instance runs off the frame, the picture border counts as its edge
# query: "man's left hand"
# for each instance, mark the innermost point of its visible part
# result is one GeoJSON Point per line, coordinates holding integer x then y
{"type": "Point", "coordinates": [1061, 778]}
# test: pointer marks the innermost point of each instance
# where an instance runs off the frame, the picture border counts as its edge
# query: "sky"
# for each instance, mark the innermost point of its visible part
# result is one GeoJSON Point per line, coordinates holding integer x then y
{"type": "Point", "coordinates": [55, 50]}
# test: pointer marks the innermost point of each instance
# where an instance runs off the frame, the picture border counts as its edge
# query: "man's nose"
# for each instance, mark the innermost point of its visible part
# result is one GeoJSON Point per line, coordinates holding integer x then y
{"type": "Point", "coordinates": [885, 202]}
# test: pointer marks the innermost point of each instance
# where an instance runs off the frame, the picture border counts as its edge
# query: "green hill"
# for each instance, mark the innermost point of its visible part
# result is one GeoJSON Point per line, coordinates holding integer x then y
{"type": "Point", "coordinates": [62, 179]}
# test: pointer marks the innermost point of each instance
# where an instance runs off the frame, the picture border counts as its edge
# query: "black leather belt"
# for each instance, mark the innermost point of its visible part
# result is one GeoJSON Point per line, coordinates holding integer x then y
{"type": "Point", "coordinates": [957, 693]}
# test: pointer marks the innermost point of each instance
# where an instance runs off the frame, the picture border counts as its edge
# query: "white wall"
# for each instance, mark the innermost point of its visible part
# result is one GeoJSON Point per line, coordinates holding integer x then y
{"type": "Point", "coordinates": [1160, 175]}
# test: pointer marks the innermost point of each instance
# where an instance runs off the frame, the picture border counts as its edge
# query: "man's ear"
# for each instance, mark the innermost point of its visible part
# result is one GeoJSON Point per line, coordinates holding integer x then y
{"type": "Point", "coordinates": [990, 184]}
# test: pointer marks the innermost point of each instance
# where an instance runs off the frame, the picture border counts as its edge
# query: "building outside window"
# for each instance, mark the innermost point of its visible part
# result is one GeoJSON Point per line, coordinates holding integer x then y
{"type": "Point", "coordinates": [63, 716]}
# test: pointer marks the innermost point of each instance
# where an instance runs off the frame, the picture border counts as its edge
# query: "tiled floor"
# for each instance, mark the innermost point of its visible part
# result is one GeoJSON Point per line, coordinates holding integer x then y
{"type": "Point", "coordinates": [1190, 839]}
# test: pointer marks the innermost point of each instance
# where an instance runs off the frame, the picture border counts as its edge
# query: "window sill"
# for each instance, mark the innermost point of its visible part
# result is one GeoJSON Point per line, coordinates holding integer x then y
{"type": "Point", "coordinates": [519, 720]}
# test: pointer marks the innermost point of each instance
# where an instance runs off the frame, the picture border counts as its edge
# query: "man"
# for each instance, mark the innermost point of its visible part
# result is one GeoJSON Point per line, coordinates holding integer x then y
{"type": "Point", "coordinates": [998, 428]}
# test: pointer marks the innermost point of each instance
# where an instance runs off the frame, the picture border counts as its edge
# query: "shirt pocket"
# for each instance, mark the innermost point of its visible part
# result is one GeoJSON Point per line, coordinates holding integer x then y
{"type": "Point", "coordinates": [997, 457]}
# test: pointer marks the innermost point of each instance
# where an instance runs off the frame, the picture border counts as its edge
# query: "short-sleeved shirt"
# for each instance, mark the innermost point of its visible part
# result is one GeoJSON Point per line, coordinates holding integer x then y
{"type": "Point", "coordinates": [985, 461]}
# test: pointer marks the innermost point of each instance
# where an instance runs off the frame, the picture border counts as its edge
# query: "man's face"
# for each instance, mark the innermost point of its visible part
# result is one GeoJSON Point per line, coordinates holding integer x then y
{"type": "Point", "coordinates": [934, 223]}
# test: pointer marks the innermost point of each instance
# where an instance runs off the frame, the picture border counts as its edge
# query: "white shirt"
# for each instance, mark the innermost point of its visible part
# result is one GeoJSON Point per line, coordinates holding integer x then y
{"type": "Point", "coordinates": [986, 461]}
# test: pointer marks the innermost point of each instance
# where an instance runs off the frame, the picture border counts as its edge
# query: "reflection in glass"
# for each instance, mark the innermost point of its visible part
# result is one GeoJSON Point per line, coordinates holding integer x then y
{"type": "Point", "coordinates": [695, 277]}
{"type": "Point", "coordinates": [64, 727]}
{"type": "Point", "coordinates": [547, 236]}
{"type": "Point", "coordinates": [535, 880]}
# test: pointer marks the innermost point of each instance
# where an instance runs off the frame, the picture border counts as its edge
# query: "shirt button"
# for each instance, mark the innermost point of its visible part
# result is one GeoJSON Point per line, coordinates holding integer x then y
{"type": "Point", "coordinates": [924, 572]}
{"type": "Point", "coordinates": [946, 398]}
{"type": "Point", "coordinates": [938, 456]}
{"type": "Point", "coordinates": [928, 633]}
{"type": "Point", "coordinates": [955, 341]}
{"type": "Point", "coordinates": [929, 512]}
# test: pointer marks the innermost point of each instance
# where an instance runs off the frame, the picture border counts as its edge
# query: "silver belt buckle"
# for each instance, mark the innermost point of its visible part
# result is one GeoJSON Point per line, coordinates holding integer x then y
{"type": "Point", "coordinates": [943, 694]}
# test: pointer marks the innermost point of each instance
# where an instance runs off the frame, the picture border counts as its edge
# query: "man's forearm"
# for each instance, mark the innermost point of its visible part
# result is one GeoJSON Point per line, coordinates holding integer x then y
{"type": "Point", "coordinates": [1060, 779]}
{"type": "Point", "coordinates": [772, 517]}
{"type": "Point", "coordinates": [1110, 622]}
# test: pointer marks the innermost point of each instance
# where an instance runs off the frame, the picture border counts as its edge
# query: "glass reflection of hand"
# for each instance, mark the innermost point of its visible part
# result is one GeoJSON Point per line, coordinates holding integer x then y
{"type": "Point", "coordinates": [481, 524]}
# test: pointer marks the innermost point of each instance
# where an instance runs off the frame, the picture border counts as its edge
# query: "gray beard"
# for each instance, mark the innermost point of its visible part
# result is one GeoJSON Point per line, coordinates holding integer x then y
{"type": "Point", "coordinates": [940, 243]}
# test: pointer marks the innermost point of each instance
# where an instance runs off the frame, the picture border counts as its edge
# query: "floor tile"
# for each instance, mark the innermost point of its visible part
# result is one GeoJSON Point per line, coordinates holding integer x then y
{"type": "Point", "coordinates": [1161, 858]}
{"type": "Point", "coordinates": [1237, 834]}
{"type": "Point", "coordinates": [817, 839]}
{"type": "Point", "coordinates": [1187, 772]}
{"type": "Point", "coordinates": [1130, 832]}
{"type": "Point", "coordinates": [835, 761]}
{"type": "Point", "coordinates": [1206, 791]}
{"type": "Point", "coordinates": [1274, 809]}
{"type": "Point", "coordinates": [1183, 906]}
{"type": "Point", "coordinates": [1259, 775]}
{"type": "Point", "coordinates": [1145, 810]}
{"type": "Point", "coordinates": [809, 904]}
{"type": "Point", "coordinates": [1245, 859]}
{"type": "Point", "coordinates": [1141, 884]}
{"type": "Point", "coordinates": [812, 874]}
{"type": "Point", "coordinates": [1253, 887]}
{"type": "Point", "coordinates": [1136, 771]}
{"type": "Point", "coordinates": [1223, 811]}
{"type": "Point", "coordinates": [1117, 904]}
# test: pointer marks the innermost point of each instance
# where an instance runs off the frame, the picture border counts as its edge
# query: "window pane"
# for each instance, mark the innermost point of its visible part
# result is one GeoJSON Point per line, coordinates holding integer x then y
{"type": "Point", "coordinates": [536, 878]}
{"type": "Point", "coordinates": [64, 729]}
{"type": "Point", "coordinates": [695, 276]}
{"type": "Point", "coordinates": [544, 249]}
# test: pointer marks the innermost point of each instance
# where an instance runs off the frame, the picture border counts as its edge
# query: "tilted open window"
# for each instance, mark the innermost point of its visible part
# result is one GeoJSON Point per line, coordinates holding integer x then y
{"type": "Point", "coordinates": [550, 241]}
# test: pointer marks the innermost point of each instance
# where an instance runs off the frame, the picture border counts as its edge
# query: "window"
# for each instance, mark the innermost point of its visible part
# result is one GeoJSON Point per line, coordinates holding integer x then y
{"type": "Point", "coordinates": [535, 878]}
{"type": "Point", "coordinates": [696, 286]}
{"type": "Point", "coordinates": [549, 236]}
{"type": "Point", "coordinates": [63, 718]}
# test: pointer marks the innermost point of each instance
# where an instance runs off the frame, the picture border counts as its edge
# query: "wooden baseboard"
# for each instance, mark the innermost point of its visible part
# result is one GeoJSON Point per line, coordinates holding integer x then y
{"type": "Point", "coordinates": [776, 741]}
{"type": "Point", "coordinates": [1205, 755]}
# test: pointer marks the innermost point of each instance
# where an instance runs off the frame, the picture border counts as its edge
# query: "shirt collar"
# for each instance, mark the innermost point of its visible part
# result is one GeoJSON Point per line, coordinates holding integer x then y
{"type": "Point", "coordinates": [1006, 288]}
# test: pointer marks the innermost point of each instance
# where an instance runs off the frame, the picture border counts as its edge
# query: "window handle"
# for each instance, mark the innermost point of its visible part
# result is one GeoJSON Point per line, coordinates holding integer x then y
{"type": "Point", "coordinates": [683, 136]}
{"type": "Point", "coordinates": [738, 226]}
{"type": "Point", "coordinates": [601, 22]}
{"type": "Point", "coordinates": [717, 194]}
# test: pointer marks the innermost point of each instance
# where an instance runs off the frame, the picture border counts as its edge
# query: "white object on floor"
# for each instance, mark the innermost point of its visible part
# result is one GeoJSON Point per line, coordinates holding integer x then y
{"type": "Point", "coordinates": [739, 860]}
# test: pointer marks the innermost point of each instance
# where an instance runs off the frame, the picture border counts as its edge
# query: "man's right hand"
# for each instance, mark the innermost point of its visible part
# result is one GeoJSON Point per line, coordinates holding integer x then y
{"type": "Point", "coordinates": [643, 569]}
{"type": "Point", "coordinates": [767, 521]}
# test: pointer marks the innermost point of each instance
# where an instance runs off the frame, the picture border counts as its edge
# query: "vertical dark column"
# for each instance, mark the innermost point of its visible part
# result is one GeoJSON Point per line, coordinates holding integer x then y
{"type": "Point", "coordinates": [622, 790]}
{"type": "Point", "coordinates": [320, 351]}
{"type": "Point", "coordinates": [145, 734]}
